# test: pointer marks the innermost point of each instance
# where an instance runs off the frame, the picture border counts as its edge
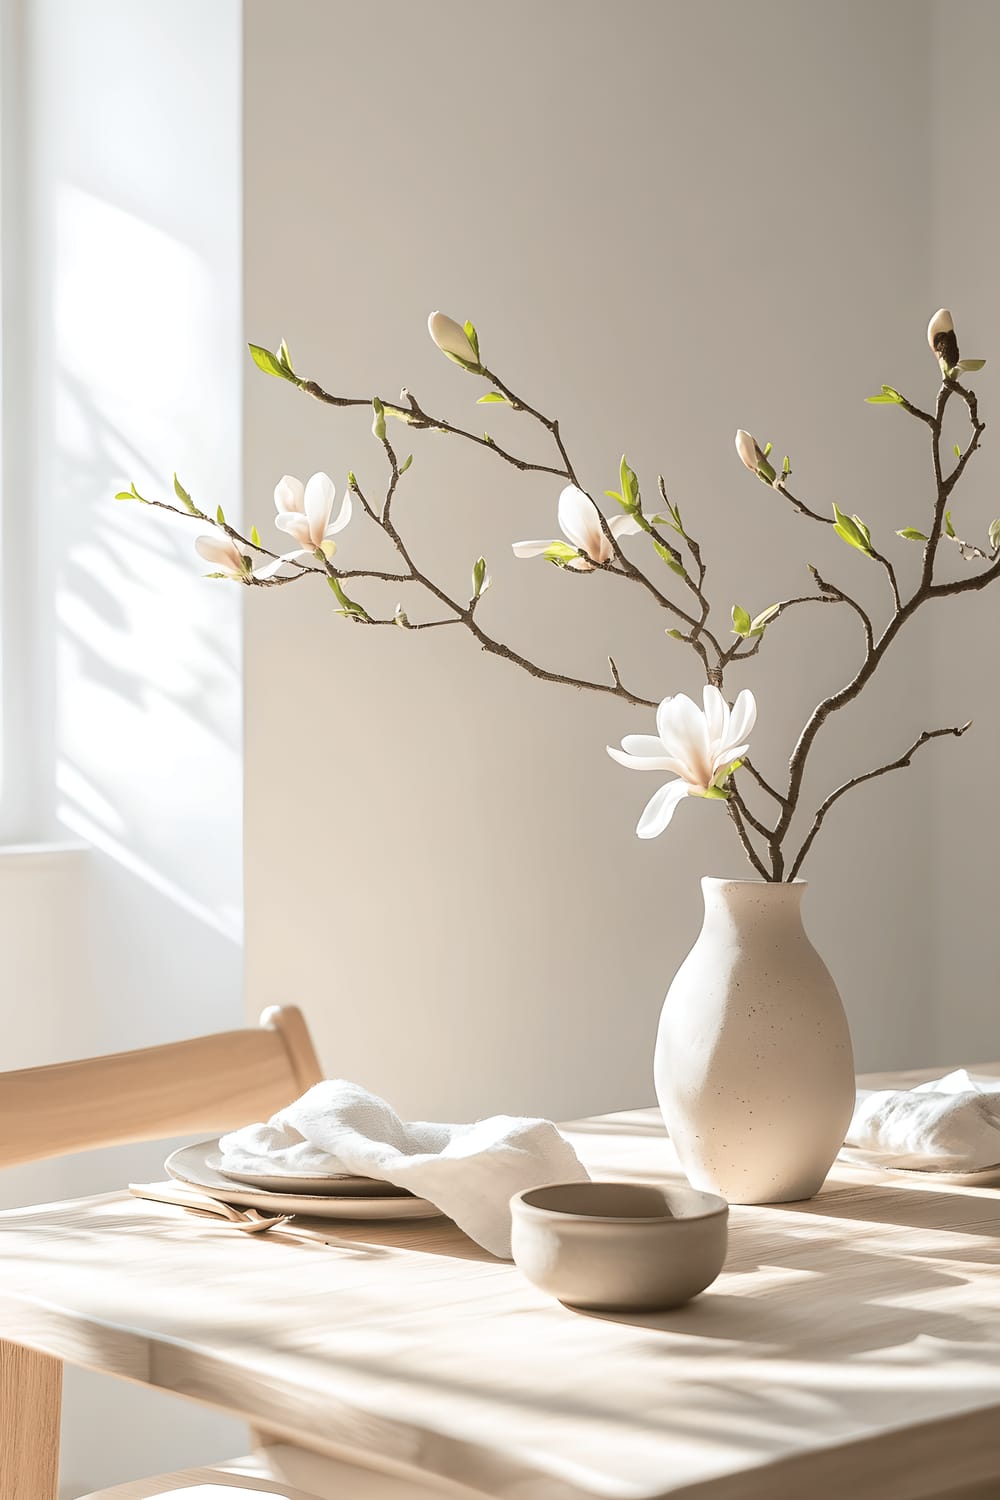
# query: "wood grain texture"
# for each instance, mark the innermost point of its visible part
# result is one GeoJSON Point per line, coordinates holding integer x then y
{"type": "Point", "coordinates": [290, 1024]}
{"type": "Point", "coordinates": [289, 1474]}
{"type": "Point", "coordinates": [165, 1486]}
{"type": "Point", "coordinates": [205, 1085]}
{"type": "Point", "coordinates": [851, 1346]}
{"type": "Point", "coordinates": [30, 1399]}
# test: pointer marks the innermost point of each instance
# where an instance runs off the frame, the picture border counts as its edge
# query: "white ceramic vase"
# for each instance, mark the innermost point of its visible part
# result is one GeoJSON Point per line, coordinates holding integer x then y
{"type": "Point", "coordinates": [754, 1071]}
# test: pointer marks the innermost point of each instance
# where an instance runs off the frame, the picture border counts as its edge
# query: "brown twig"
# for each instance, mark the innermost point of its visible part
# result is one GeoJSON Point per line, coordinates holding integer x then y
{"type": "Point", "coordinates": [465, 613]}
{"type": "Point", "coordinates": [748, 848]}
{"type": "Point", "coordinates": [876, 650]}
{"type": "Point", "coordinates": [894, 765]}
{"type": "Point", "coordinates": [415, 416]}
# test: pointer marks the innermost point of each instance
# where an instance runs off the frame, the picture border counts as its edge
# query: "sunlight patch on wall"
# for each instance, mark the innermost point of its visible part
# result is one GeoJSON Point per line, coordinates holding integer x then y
{"type": "Point", "coordinates": [148, 727]}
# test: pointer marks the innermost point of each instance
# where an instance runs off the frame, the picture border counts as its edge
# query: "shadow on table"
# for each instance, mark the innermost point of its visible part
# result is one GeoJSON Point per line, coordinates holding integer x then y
{"type": "Point", "coordinates": [842, 1295]}
{"type": "Point", "coordinates": [57, 1225]}
{"type": "Point", "coordinates": [963, 1210]}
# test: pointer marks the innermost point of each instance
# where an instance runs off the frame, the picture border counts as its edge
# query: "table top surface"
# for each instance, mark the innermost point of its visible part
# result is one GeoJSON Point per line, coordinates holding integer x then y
{"type": "Point", "coordinates": [838, 1324]}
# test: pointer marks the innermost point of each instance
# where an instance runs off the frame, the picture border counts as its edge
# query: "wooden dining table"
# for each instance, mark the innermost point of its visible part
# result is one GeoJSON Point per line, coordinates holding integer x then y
{"type": "Point", "coordinates": [851, 1347]}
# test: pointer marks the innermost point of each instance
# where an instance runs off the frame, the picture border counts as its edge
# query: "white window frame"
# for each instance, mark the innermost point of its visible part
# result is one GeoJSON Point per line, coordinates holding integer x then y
{"type": "Point", "coordinates": [22, 760]}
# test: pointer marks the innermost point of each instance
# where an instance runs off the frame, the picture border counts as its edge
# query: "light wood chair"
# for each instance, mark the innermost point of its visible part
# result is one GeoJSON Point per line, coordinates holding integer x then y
{"type": "Point", "coordinates": [206, 1085]}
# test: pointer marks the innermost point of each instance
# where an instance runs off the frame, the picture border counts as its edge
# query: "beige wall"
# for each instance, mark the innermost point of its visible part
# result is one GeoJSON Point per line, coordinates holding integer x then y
{"type": "Point", "coordinates": [965, 226]}
{"type": "Point", "coordinates": [667, 221]}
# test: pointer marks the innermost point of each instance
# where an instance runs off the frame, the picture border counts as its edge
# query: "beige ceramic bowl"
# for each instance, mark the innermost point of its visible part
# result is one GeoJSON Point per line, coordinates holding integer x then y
{"type": "Point", "coordinates": [619, 1246]}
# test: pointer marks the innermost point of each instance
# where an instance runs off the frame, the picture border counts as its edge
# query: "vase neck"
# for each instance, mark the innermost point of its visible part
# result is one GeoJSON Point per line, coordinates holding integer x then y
{"type": "Point", "coordinates": [742, 901]}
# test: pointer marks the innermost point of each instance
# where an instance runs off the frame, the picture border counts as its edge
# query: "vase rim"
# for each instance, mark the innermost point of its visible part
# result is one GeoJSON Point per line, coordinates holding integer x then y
{"type": "Point", "coordinates": [715, 881]}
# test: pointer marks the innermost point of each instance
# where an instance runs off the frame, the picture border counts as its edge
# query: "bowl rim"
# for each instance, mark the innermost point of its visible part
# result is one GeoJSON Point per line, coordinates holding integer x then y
{"type": "Point", "coordinates": [519, 1201]}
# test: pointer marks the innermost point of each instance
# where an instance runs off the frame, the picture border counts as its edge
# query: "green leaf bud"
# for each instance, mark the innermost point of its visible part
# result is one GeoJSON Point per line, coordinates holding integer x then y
{"type": "Point", "coordinates": [184, 497]}
{"type": "Point", "coordinates": [348, 606]}
{"type": "Point", "coordinates": [270, 363]}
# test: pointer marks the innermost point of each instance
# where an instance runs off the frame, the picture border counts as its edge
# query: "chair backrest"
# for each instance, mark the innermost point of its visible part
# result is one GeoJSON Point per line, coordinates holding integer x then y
{"type": "Point", "coordinates": [206, 1085]}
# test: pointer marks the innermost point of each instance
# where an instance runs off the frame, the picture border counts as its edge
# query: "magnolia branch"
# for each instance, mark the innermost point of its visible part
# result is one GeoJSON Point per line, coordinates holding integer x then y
{"type": "Point", "coordinates": [682, 555]}
{"type": "Point", "coordinates": [876, 650]}
{"type": "Point", "coordinates": [464, 614]}
{"type": "Point", "coordinates": [736, 813]}
{"type": "Point", "coordinates": [697, 634]}
{"type": "Point", "coordinates": [893, 765]}
{"type": "Point", "coordinates": [873, 551]}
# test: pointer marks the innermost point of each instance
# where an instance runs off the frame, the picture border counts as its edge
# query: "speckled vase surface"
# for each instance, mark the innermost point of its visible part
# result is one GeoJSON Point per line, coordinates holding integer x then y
{"type": "Point", "coordinates": [754, 1070]}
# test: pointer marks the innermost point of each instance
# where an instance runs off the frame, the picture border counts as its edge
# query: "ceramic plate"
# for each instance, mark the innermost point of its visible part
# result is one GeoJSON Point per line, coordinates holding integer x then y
{"type": "Point", "coordinates": [332, 1185]}
{"type": "Point", "coordinates": [193, 1165]}
{"type": "Point", "coordinates": [982, 1178]}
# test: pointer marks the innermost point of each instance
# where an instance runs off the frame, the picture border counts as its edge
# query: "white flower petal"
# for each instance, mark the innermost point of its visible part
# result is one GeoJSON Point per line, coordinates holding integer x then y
{"type": "Point", "coordinates": [580, 523]}
{"type": "Point", "coordinates": [716, 714]}
{"type": "Point", "coordinates": [660, 809]}
{"type": "Point", "coordinates": [221, 551]}
{"type": "Point", "coordinates": [321, 492]}
{"type": "Point", "coordinates": [297, 526]}
{"type": "Point", "coordinates": [268, 570]}
{"type": "Point", "coordinates": [643, 744]}
{"type": "Point", "coordinates": [343, 516]}
{"type": "Point", "coordinates": [743, 716]}
{"type": "Point", "coordinates": [531, 549]}
{"type": "Point", "coordinates": [726, 756]}
{"type": "Point", "coordinates": [659, 762]}
{"type": "Point", "coordinates": [579, 565]}
{"type": "Point", "coordinates": [624, 525]}
{"type": "Point", "coordinates": [289, 494]}
{"type": "Point", "coordinates": [684, 732]}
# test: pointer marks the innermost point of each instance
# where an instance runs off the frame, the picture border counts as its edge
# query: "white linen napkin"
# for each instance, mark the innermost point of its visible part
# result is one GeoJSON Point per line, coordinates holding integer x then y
{"type": "Point", "coordinates": [951, 1124]}
{"type": "Point", "coordinates": [470, 1172]}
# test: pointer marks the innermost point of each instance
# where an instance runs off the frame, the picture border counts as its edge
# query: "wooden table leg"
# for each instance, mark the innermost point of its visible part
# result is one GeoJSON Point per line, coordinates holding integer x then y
{"type": "Point", "coordinates": [30, 1401]}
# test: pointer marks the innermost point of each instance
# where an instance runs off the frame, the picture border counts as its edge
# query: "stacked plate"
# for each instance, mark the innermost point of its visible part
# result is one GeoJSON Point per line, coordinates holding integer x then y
{"type": "Point", "coordinates": [332, 1196]}
{"type": "Point", "coordinates": [855, 1156]}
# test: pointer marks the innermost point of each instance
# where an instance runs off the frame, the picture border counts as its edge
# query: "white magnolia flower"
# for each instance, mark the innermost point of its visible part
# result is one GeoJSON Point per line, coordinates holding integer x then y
{"type": "Point", "coordinates": [222, 552]}
{"type": "Point", "coordinates": [580, 523]}
{"type": "Point", "coordinates": [452, 339]}
{"type": "Point", "coordinates": [699, 746]}
{"type": "Point", "coordinates": [305, 511]}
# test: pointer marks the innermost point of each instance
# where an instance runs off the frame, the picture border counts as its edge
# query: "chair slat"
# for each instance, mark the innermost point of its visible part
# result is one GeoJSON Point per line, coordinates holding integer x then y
{"type": "Point", "coordinates": [208, 1084]}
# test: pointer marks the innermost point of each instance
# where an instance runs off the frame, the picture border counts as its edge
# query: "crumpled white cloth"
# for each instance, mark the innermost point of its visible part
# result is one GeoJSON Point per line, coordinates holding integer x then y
{"type": "Point", "coordinates": [470, 1172]}
{"type": "Point", "coordinates": [949, 1124]}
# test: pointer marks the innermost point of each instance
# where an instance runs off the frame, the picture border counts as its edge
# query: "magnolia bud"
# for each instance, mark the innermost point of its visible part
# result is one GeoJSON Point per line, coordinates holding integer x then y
{"type": "Point", "coordinates": [746, 447]}
{"type": "Point", "coordinates": [941, 337]}
{"type": "Point", "coordinates": [754, 457]}
{"type": "Point", "coordinates": [378, 419]}
{"type": "Point", "coordinates": [452, 339]}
